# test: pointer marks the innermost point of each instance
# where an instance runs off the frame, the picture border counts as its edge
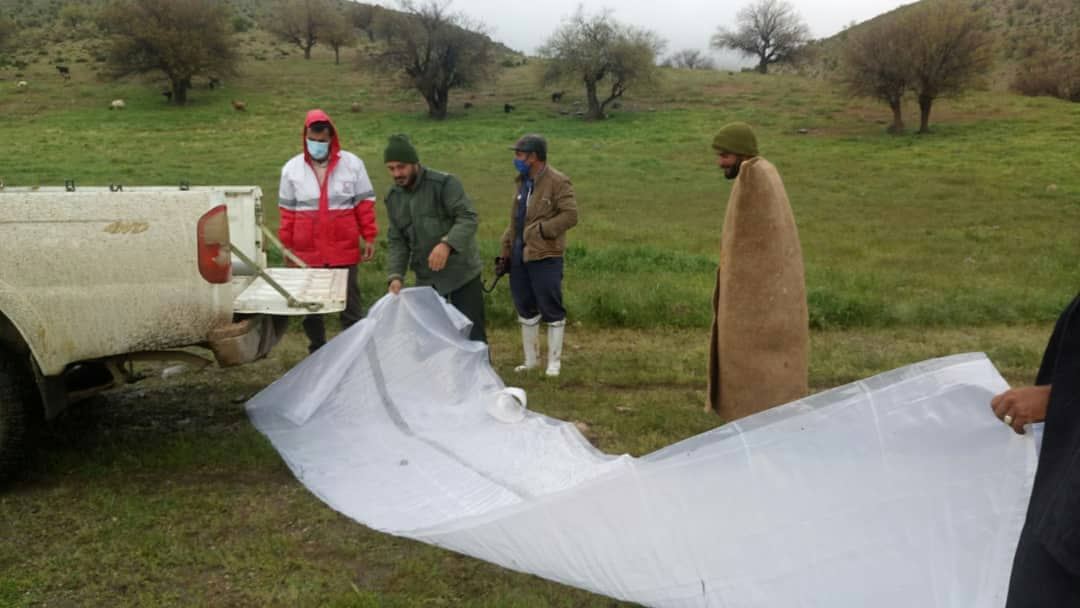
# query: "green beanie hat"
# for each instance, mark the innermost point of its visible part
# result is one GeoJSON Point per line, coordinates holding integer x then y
{"type": "Point", "coordinates": [400, 150]}
{"type": "Point", "coordinates": [737, 138]}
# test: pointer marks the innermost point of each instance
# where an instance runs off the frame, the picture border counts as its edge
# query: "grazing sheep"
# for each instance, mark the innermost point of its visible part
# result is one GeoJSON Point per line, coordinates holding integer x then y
{"type": "Point", "coordinates": [557, 96]}
{"type": "Point", "coordinates": [508, 108]}
{"type": "Point", "coordinates": [117, 104]}
{"type": "Point", "coordinates": [22, 84]}
{"type": "Point", "coordinates": [355, 107]}
{"type": "Point", "coordinates": [239, 106]}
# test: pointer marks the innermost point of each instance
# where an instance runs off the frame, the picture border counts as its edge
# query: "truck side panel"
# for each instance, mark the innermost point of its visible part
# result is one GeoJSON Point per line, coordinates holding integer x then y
{"type": "Point", "coordinates": [86, 275]}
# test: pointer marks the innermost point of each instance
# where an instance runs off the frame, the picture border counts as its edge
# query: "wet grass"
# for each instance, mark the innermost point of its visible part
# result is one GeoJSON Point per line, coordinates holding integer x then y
{"type": "Point", "coordinates": [162, 494]}
{"type": "Point", "coordinates": [969, 225]}
{"type": "Point", "coordinates": [916, 246]}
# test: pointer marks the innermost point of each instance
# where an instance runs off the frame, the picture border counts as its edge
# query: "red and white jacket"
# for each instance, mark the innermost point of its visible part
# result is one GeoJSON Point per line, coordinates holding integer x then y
{"type": "Point", "coordinates": [322, 223]}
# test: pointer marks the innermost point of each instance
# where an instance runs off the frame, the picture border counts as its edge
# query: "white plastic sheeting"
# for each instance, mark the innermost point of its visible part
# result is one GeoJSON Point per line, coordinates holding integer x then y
{"type": "Point", "coordinates": [901, 490]}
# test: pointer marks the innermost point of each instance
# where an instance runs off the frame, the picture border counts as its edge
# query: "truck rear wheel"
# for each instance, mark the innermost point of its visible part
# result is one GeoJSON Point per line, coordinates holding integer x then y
{"type": "Point", "coordinates": [18, 401]}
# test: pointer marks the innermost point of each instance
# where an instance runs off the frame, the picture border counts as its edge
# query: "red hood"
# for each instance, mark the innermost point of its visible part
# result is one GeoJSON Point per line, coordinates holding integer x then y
{"type": "Point", "coordinates": [319, 116]}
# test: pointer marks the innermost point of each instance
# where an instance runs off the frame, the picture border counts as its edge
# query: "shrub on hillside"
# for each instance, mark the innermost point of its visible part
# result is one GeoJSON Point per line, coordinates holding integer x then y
{"type": "Point", "coordinates": [7, 34]}
{"type": "Point", "coordinates": [1055, 76]}
{"type": "Point", "coordinates": [240, 24]}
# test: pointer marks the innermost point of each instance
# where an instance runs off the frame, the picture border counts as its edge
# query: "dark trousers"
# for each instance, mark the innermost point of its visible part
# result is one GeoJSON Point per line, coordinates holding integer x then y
{"type": "Point", "coordinates": [314, 328]}
{"type": "Point", "coordinates": [536, 288]}
{"type": "Point", "coordinates": [1038, 580]}
{"type": "Point", "coordinates": [469, 299]}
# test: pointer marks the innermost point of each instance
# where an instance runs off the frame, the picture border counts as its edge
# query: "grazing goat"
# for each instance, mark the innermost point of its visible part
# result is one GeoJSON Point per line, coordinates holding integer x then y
{"type": "Point", "coordinates": [239, 105]}
{"type": "Point", "coordinates": [167, 95]}
{"type": "Point", "coordinates": [64, 71]}
{"type": "Point", "coordinates": [117, 104]}
{"type": "Point", "coordinates": [214, 83]}
{"type": "Point", "coordinates": [557, 96]}
{"type": "Point", "coordinates": [468, 105]}
{"type": "Point", "coordinates": [355, 107]}
{"type": "Point", "coordinates": [507, 108]}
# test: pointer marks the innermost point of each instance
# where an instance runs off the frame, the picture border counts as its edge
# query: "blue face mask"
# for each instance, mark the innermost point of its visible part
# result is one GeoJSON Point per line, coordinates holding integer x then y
{"type": "Point", "coordinates": [318, 149]}
{"type": "Point", "coordinates": [521, 166]}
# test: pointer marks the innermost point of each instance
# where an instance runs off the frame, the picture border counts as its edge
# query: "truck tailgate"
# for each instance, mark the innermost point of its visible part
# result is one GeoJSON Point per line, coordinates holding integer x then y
{"type": "Point", "coordinates": [322, 286]}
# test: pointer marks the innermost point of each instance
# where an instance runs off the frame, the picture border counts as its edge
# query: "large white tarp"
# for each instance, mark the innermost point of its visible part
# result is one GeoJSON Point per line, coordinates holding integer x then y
{"type": "Point", "coordinates": [901, 490]}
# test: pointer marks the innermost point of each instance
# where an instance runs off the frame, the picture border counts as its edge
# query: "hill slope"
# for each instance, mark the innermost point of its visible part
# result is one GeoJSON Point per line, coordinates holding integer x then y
{"type": "Point", "coordinates": [62, 31]}
{"type": "Point", "coordinates": [1022, 29]}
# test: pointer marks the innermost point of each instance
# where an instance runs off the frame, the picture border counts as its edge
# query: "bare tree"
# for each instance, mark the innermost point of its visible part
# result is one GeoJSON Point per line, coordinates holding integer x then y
{"type": "Point", "coordinates": [875, 63]}
{"type": "Point", "coordinates": [386, 23]}
{"type": "Point", "coordinates": [302, 22]}
{"type": "Point", "coordinates": [179, 38]}
{"type": "Point", "coordinates": [952, 51]}
{"type": "Point", "coordinates": [770, 30]}
{"type": "Point", "coordinates": [597, 49]}
{"type": "Point", "coordinates": [363, 18]}
{"type": "Point", "coordinates": [691, 59]}
{"type": "Point", "coordinates": [338, 34]}
{"type": "Point", "coordinates": [433, 50]}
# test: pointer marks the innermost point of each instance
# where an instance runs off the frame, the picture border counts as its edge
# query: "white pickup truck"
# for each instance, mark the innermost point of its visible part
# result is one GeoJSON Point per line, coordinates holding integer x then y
{"type": "Point", "coordinates": [94, 279]}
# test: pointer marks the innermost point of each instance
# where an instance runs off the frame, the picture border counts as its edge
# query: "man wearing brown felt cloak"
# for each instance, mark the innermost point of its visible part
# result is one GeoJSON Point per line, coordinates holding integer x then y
{"type": "Point", "coordinates": [759, 342]}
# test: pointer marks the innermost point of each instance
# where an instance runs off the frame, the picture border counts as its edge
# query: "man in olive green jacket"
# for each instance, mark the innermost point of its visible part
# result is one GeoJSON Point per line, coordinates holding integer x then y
{"type": "Point", "coordinates": [433, 231]}
{"type": "Point", "coordinates": [534, 243]}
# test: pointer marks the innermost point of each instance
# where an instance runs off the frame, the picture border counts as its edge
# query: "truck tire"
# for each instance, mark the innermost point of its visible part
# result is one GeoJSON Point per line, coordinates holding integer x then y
{"type": "Point", "coordinates": [18, 402]}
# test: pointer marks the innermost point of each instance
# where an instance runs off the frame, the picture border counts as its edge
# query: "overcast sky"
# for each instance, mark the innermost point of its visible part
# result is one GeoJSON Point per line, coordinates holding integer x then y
{"type": "Point", "coordinates": [684, 24]}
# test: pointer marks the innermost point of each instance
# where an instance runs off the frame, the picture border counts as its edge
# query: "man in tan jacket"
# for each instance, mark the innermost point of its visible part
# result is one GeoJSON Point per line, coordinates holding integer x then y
{"type": "Point", "coordinates": [534, 243]}
{"type": "Point", "coordinates": [759, 341]}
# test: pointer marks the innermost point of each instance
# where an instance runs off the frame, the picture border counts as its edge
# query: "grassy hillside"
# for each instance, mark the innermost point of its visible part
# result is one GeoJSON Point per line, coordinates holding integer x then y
{"type": "Point", "coordinates": [897, 231]}
{"type": "Point", "coordinates": [161, 494]}
{"type": "Point", "coordinates": [1021, 28]}
{"type": "Point", "coordinates": [64, 32]}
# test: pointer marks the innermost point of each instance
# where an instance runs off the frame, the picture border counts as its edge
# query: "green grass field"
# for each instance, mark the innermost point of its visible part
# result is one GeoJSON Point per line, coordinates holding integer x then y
{"type": "Point", "coordinates": [161, 493]}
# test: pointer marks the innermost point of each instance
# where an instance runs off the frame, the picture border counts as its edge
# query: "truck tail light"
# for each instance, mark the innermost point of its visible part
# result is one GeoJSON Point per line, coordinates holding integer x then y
{"type": "Point", "coordinates": [215, 259]}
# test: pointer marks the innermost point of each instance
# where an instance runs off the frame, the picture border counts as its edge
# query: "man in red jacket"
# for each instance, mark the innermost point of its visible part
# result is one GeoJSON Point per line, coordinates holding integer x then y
{"type": "Point", "coordinates": [327, 205]}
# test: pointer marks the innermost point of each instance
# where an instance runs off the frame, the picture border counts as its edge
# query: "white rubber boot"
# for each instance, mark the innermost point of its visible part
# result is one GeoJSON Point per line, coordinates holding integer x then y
{"type": "Point", "coordinates": [554, 338]}
{"type": "Point", "coordinates": [530, 340]}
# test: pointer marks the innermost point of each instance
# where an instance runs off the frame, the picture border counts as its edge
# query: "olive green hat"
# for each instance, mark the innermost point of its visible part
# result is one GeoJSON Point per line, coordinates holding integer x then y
{"type": "Point", "coordinates": [400, 150]}
{"type": "Point", "coordinates": [736, 138]}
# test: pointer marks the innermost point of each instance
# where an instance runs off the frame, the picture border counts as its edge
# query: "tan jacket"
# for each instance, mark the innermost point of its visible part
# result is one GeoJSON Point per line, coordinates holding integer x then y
{"type": "Point", "coordinates": [551, 212]}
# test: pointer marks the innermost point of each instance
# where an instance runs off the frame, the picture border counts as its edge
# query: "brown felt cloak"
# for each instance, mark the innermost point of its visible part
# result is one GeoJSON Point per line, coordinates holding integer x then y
{"type": "Point", "coordinates": [759, 342]}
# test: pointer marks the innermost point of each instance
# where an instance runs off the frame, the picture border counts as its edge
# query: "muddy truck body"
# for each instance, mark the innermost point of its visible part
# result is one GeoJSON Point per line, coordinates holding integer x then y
{"type": "Point", "coordinates": [93, 280]}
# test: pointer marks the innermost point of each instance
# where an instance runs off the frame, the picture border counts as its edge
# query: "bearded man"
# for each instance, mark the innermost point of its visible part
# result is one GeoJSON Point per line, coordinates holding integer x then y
{"type": "Point", "coordinates": [433, 232]}
{"type": "Point", "coordinates": [759, 338]}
